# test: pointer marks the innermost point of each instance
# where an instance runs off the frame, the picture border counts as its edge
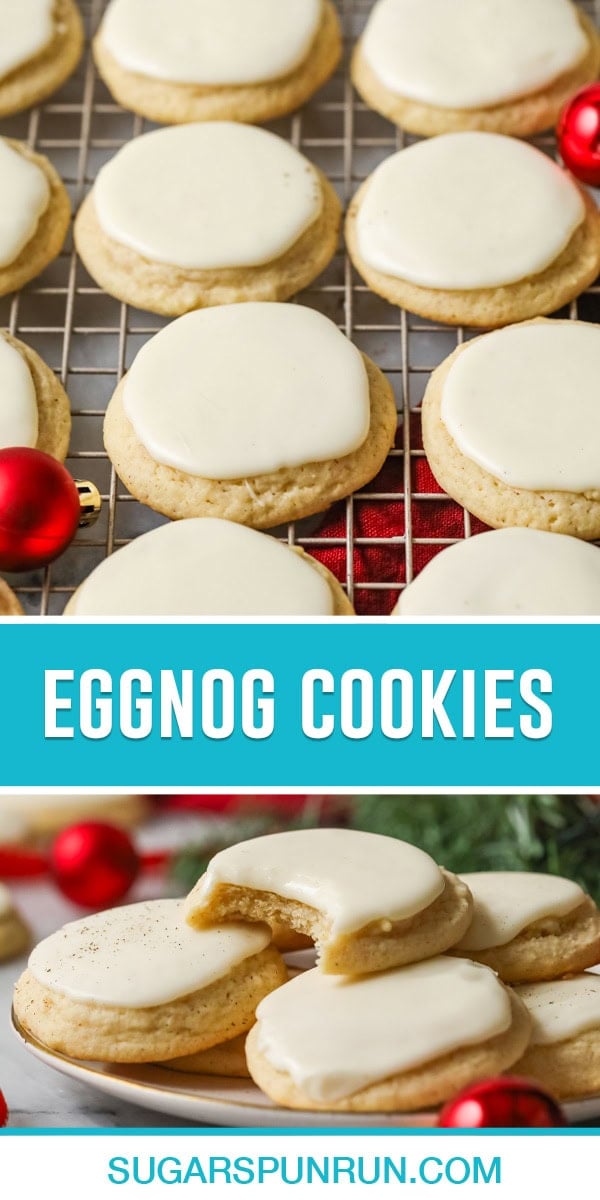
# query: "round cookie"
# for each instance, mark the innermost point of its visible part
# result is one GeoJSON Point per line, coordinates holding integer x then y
{"type": "Point", "coordinates": [240, 60]}
{"type": "Point", "coordinates": [368, 902]}
{"type": "Point", "coordinates": [507, 573]}
{"type": "Point", "coordinates": [35, 410]}
{"type": "Point", "coordinates": [498, 66]}
{"type": "Point", "coordinates": [209, 567]}
{"type": "Point", "coordinates": [474, 229]}
{"type": "Point", "coordinates": [41, 42]}
{"type": "Point", "coordinates": [10, 606]}
{"type": "Point", "coordinates": [14, 934]}
{"type": "Point", "coordinates": [227, 1060]}
{"type": "Point", "coordinates": [496, 431]}
{"type": "Point", "coordinates": [204, 214]}
{"type": "Point", "coordinates": [400, 1040]}
{"type": "Point", "coordinates": [35, 212]}
{"type": "Point", "coordinates": [14, 830]}
{"type": "Point", "coordinates": [530, 927]}
{"type": "Point", "coordinates": [44, 815]}
{"type": "Point", "coordinates": [257, 413]}
{"type": "Point", "coordinates": [564, 1051]}
{"type": "Point", "coordinates": [135, 984]}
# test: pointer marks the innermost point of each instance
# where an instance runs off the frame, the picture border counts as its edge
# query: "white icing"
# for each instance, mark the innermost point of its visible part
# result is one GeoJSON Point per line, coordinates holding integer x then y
{"type": "Point", "coordinates": [26, 28]}
{"type": "Point", "coordinates": [472, 53]}
{"type": "Point", "coordinates": [141, 955]}
{"type": "Point", "coordinates": [204, 567]}
{"type": "Point", "coordinates": [508, 573]}
{"type": "Point", "coordinates": [524, 403]}
{"type": "Point", "coordinates": [18, 402]}
{"type": "Point", "coordinates": [467, 210]}
{"type": "Point", "coordinates": [335, 1036]}
{"type": "Point", "coordinates": [25, 196]}
{"type": "Point", "coordinates": [246, 389]}
{"type": "Point", "coordinates": [506, 902]}
{"type": "Point", "coordinates": [6, 904]}
{"type": "Point", "coordinates": [562, 1009]}
{"type": "Point", "coordinates": [211, 41]}
{"type": "Point", "coordinates": [208, 196]}
{"type": "Point", "coordinates": [355, 878]}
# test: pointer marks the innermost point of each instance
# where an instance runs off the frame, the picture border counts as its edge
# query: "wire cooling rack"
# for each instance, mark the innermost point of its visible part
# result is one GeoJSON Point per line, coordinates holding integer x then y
{"type": "Point", "coordinates": [376, 540]}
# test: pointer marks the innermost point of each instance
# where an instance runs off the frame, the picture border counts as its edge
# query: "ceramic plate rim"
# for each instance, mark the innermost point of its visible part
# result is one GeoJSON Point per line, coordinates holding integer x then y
{"type": "Point", "coordinates": [220, 1111]}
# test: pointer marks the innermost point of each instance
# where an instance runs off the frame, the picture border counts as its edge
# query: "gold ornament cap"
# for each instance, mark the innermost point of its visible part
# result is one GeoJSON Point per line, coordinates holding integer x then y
{"type": "Point", "coordinates": [90, 502]}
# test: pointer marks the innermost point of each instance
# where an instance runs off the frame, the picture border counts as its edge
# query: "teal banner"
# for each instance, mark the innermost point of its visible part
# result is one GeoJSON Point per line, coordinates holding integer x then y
{"type": "Point", "coordinates": [329, 705]}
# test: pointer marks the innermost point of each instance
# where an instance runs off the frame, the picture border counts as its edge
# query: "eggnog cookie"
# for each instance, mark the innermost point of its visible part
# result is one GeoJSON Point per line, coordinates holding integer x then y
{"type": "Point", "coordinates": [433, 1028]}
{"type": "Point", "coordinates": [530, 927]}
{"type": "Point", "coordinates": [511, 423]}
{"type": "Point", "coordinates": [40, 45]}
{"type": "Point", "coordinates": [368, 902]}
{"type": "Point", "coordinates": [564, 1051]}
{"type": "Point", "coordinates": [10, 606]}
{"type": "Point", "coordinates": [227, 1059]}
{"type": "Point", "coordinates": [14, 934]}
{"type": "Point", "coordinates": [198, 215]}
{"type": "Point", "coordinates": [212, 60]}
{"type": "Point", "coordinates": [34, 214]}
{"type": "Point", "coordinates": [257, 413]}
{"type": "Point", "coordinates": [507, 573]}
{"type": "Point", "coordinates": [136, 984]}
{"type": "Point", "coordinates": [208, 567]}
{"type": "Point", "coordinates": [43, 815]}
{"type": "Point", "coordinates": [499, 65]}
{"type": "Point", "coordinates": [474, 229]}
{"type": "Point", "coordinates": [35, 408]}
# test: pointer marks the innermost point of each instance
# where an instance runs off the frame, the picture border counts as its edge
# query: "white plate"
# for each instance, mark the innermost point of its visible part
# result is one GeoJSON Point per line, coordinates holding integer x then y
{"type": "Point", "coordinates": [213, 1100]}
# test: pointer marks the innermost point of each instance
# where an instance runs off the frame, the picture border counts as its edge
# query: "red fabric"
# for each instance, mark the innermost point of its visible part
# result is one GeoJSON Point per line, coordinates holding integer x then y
{"type": "Point", "coordinates": [378, 520]}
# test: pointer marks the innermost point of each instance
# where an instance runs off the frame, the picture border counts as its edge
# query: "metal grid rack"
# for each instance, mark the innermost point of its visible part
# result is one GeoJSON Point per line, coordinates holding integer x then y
{"type": "Point", "coordinates": [378, 538]}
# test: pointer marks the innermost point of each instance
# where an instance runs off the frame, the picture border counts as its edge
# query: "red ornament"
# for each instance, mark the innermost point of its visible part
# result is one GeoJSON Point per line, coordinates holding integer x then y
{"type": "Point", "coordinates": [94, 864]}
{"type": "Point", "coordinates": [579, 135]}
{"type": "Point", "coordinates": [507, 1102]}
{"type": "Point", "coordinates": [3, 1111]}
{"type": "Point", "coordinates": [39, 509]}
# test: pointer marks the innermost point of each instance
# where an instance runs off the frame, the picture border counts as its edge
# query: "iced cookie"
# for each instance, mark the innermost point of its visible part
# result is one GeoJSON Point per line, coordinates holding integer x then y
{"type": "Point", "coordinates": [404, 1039]}
{"type": "Point", "coordinates": [474, 229]}
{"type": "Point", "coordinates": [136, 984]}
{"type": "Point", "coordinates": [208, 567]}
{"type": "Point", "coordinates": [212, 60]}
{"type": "Point", "coordinates": [42, 815]}
{"type": "Point", "coordinates": [40, 45]}
{"type": "Point", "coordinates": [35, 408]}
{"type": "Point", "coordinates": [367, 901]}
{"type": "Point", "coordinates": [507, 573]}
{"type": "Point", "coordinates": [502, 66]}
{"type": "Point", "coordinates": [35, 211]}
{"type": "Point", "coordinates": [530, 927]}
{"type": "Point", "coordinates": [199, 215]}
{"type": "Point", "coordinates": [511, 423]}
{"type": "Point", "coordinates": [9, 604]}
{"type": "Point", "coordinates": [564, 1051]}
{"type": "Point", "coordinates": [258, 413]}
{"type": "Point", "coordinates": [14, 934]}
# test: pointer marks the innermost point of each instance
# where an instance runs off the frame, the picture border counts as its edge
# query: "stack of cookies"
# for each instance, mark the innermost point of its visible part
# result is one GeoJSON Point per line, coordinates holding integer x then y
{"type": "Point", "coordinates": [424, 981]}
